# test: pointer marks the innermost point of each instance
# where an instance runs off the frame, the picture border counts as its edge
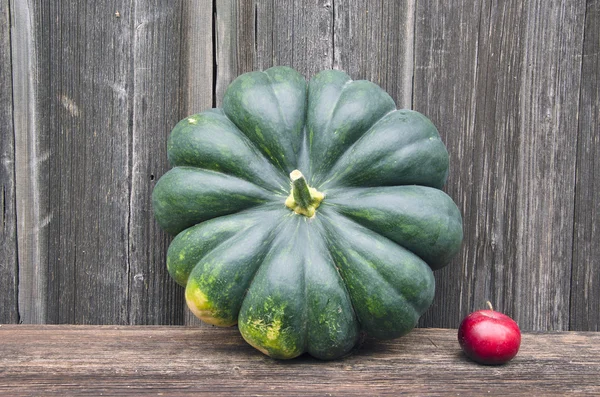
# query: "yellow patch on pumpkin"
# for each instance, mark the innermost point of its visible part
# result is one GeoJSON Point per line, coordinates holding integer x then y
{"type": "Point", "coordinates": [201, 306]}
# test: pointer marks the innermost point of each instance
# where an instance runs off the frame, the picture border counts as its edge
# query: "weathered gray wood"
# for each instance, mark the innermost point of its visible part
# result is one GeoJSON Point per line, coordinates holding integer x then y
{"type": "Point", "coordinates": [585, 284]}
{"type": "Point", "coordinates": [275, 32]}
{"type": "Point", "coordinates": [31, 91]}
{"type": "Point", "coordinates": [374, 41]}
{"type": "Point", "coordinates": [84, 360]}
{"type": "Point", "coordinates": [9, 311]}
{"type": "Point", "coordinates": [80, 149]}
{"type": "Point", "coordinates": [154, 298]}
{"type": "Point", "coordinates": [260, 34]}
{"type": "Point", "coordinates": [522, 86]}
{"type": "Point", "coordinates": [304, 35]}
{"type": "Point", "coordinates": [197, 56]}
{"type": "Point", "coordinates": [263, 34]}
{"type": "Point", "coordinates": [89, 182]}
{"type": "Point", "coordinates": [226, 45]}
{"type": "Point", "coordinates": [549, 88]}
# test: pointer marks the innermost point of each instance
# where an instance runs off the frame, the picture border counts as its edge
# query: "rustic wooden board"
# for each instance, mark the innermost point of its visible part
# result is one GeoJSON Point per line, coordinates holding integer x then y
{"type": "Point", "coordinates": [548, 106]}
{"type": "Point", "coordinates": [233, 43]}
{"type": "Point", "coordinates": [374, 41]}
{"type": "Point", "coordinates": [503, 88]}
{"type": "Point", "coordinates": [585, 285]}
{"type": "Point", "coordinates": [304, 39]}
{"type": "Point", "coordinates": [260, 34]}
{"type": "Point", "coordinates": [89, 156]}
{"type": "Point", "coordinates": [31, 114]}
{"type": "Point", "coordinates": [9, 312]}
{"type": "Point", "coordinates": [197, 56]}
{"type": "Point", "coordinates": [85, 360]}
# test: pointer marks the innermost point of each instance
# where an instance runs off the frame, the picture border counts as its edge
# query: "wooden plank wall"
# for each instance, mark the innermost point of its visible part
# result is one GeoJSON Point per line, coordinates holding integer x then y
{"type": "Point", "coordinates": [8, 219]}
{"type": "Point", "coordinates": [90, 90]}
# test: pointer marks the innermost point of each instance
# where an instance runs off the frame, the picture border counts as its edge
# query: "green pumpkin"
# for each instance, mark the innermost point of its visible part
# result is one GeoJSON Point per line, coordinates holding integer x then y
{"type": "Point", "coordinates": [307, 214]}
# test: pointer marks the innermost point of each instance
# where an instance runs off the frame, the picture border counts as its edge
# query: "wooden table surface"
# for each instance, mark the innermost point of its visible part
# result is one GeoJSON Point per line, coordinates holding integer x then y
{"type": "Point", "coordinates": [156, 360]}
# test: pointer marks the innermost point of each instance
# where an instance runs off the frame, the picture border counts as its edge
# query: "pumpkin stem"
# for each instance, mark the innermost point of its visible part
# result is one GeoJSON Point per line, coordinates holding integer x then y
{"type": "Point", "coordinates": [303, 199]}
{"type": "Point", "coordinates": [300, 189]}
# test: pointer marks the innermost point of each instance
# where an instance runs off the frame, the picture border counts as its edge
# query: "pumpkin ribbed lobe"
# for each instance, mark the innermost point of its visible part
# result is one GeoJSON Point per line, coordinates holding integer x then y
{"type": "Point", "coordinates": [389, 286]}
{"type": "Point", "coordinates": [303, 199]}
{"type": "Point", "coordinates": [297, 301]}
{"type": "Point", "coordinates": [340, 111]}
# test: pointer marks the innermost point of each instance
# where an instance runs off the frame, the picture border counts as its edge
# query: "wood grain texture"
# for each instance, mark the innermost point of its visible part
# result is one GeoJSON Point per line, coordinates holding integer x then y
{"type": "Point", "coordinates": [154, 298]}
{"type": "Point", "coordinates": [298, 34]}
{"type": "Point", "coordinates": [304, 36]}
{"type": "Point", "coordinates": [259, 34]}
{"type": "Point", "coordinates": [270, 33]}
{"type": "Point", "coordinates": [88, 166]}
{"type": "Point", "coordinates": [85, 360]}
{"type": "Point", "coordinates": [549, 104]}
{"type": "Point", "coordinates": [264, 33]}
{"type": "Point", "coordinates": [31, 90]}
{"type": "Point", "coordinates": [197, 56]}
{"type": "Point", "coordinates": [226, 45]}
{"type": "Point", "coordinates": [585, 285]}
{"type": "Point", "coordinates": [9, 310]}
{"type": "Point", "coordinates": [516, 179]}
{"type": "Point", "coordinates": [374, 41]}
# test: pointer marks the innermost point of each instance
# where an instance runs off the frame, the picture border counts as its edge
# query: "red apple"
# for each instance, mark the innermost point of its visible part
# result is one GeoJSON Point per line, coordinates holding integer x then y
{"type": "Point", "coordinates": [489, 337]}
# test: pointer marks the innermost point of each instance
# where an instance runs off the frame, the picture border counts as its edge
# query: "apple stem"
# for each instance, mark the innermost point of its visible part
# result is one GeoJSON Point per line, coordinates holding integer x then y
{"type": "Point", "coordinates": [489, 304]}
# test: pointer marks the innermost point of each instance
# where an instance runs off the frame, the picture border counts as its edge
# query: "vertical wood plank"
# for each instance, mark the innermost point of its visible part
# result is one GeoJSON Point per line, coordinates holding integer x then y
{"type": "Point", "coordinates": [245, 15]}
{"type": "Point", "coordinates": [549, 99]}
{"type": "Point", "coordinates": [30, 60]}
{"type": "Point", "coordinates": [197, 57]}
{"type": "Point", "coordinates": [156, 49]}
{"type": "Point", "coordinates": [237, 39]}
{"type": "Point", "coordinates": [374, 41]}
{"type": "Point", "coordinates": [9, 312]}
{"type": "Point", "coordinates": [585, 284]}
{"type": "Point", "coordinates": [263, 34]}
{"type": "Point", "coordinates": [226, 32]}
{"type": "Point", "coordinates": [298, 35]}
{"type": "Point", "coordinates": [88, 168]}
{"type": "Point", "coordinates": [517, 196]}
{"type": "Point", "coordinates": [304, 38]}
